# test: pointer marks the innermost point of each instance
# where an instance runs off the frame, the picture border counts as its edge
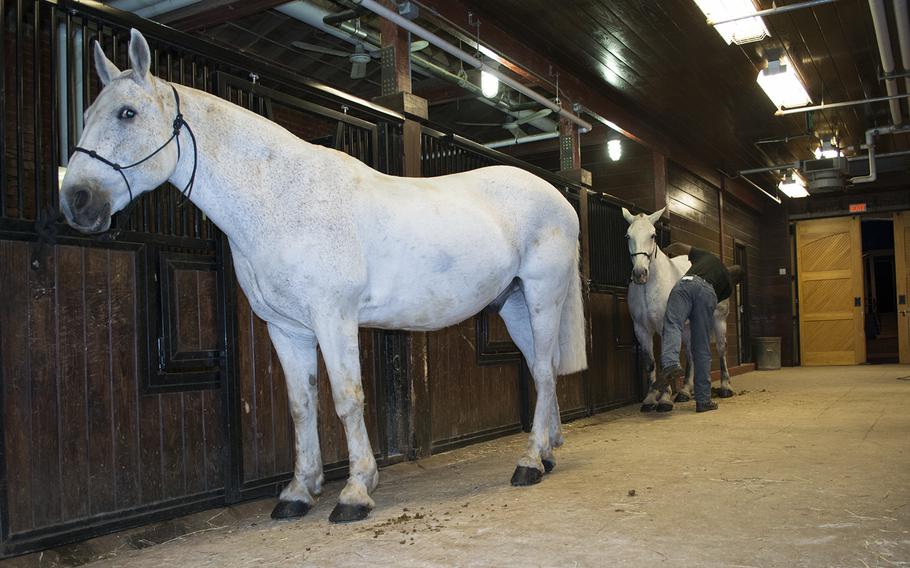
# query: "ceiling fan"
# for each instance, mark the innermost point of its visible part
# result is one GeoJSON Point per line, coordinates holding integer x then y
{"type": "Point", "coordinates": [514, 125]}
{"type": "Point", "coordinates": [359, 58]}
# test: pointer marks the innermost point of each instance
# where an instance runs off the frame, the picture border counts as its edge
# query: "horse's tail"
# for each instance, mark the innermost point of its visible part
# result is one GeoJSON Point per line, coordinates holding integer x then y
{"type": "Point", "coordinates": [572, 352]}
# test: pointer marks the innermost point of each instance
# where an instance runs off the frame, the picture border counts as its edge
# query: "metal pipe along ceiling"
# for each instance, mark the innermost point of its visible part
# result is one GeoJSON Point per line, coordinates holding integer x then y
{"type": "Point", "coordinates": [880, 21]}
{"type": "Point", "coordinates": [315, 16]}
{"type": "Point", "coordinates": [406, 24]}
{"type": "Point", "coordinates": [902, 16]}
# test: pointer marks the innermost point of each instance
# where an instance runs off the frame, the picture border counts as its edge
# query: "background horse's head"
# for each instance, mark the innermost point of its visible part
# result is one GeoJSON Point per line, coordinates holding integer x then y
{"type": "Point", "coordinates": [131, 118]}
{"type": "Point", "coordinates": [642, 238]}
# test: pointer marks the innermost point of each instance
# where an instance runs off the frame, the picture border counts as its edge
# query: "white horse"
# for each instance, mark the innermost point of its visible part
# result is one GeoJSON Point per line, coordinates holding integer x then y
{"type": "Point", "coordinates": [323, 244]}
{"type": "Point", "coordinates": [653, 276]}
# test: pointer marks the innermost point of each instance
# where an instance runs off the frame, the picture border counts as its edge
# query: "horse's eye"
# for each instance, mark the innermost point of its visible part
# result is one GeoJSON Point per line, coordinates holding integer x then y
{"type": "Point", "coordinates": [653, 237]}
{"type": "Point", "coordinates": [126, 113]}
{"type": "Point", "coordinates": [628, 237]}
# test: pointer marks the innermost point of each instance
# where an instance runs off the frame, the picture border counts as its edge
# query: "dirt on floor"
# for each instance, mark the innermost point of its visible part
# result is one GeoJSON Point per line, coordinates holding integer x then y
{"type": "Point", "coordinates": [804, 467]}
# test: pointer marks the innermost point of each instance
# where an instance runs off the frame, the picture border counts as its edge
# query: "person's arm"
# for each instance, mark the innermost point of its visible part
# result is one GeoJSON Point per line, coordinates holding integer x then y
{"type": "Point", "coordinates": [736, 274]}
{"type": "Point", "coordinates": [677, 249]}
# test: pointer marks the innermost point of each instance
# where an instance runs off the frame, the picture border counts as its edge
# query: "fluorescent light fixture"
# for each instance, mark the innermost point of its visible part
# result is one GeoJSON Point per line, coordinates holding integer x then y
{"type": "Point", "coordinates": [827, 149]}
{"type": "Point", "coordinates": [739, 31]}
{"type": "Point", "coordinates": [782, 85]}
{"type": "Point", "coordinates": [489, 84]}
{"type": "Point", "coordinates": [614, 149]}
{"type": "Point", "coordinates": [793, 185]}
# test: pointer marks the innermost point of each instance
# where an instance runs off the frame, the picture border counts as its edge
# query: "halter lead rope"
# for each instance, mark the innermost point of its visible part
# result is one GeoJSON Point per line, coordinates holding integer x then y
{"type": "Point", "coordinates": [179, 123]}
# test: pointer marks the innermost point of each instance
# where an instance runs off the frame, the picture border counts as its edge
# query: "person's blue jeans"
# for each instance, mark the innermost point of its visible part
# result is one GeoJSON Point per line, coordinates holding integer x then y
{"type": "Point", "coordinates": [693, 299]}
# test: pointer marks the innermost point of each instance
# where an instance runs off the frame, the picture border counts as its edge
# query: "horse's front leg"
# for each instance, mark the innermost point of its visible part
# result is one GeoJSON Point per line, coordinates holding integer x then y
{"type": "Point", "coordinates": [297, 353]}
{"type": "Point", "coordinates": [720, 341]}
{"type": "Point", "coordinates": [340, 348]}
{"type": "Point", "coordinates": [646, 343]}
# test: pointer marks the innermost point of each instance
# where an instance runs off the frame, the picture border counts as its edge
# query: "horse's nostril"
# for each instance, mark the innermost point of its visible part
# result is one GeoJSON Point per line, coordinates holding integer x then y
{"type": "Point", "coordinates": [81, 198]}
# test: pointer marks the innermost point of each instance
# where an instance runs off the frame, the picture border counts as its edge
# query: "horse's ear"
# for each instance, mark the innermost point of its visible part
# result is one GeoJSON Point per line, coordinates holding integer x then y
{"type": "Point", "coordinates": [655, 217]}
{"type": "Point", "coordinates": [140, 56]}
{"type": "Point", "coordinates": [628, 216]}
{"type": "Point", "coordinates": [103, 66]}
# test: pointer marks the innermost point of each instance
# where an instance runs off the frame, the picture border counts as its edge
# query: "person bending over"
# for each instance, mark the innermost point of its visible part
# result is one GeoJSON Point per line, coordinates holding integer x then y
{"type": "Point", "coordinates": [694, 298]}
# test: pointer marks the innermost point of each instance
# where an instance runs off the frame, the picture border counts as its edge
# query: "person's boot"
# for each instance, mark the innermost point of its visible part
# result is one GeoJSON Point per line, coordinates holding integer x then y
{"type": "Point", "coordinates": [668, 376]}
{"type": "Point", "coordinates": [705, 406]}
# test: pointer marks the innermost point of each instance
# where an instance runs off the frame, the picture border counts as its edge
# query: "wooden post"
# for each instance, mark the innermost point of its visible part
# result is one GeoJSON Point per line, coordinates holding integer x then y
{"type": "Point", "coordinates": [570, 168]}
{"type": "Point", "coordinates": [396, 95]}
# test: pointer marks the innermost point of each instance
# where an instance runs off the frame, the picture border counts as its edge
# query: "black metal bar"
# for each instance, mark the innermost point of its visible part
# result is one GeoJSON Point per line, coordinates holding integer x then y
{"type": "Point", "coordinates": [38, 101]}
{"type": "Point", "coordinates": [20, 113]}
{"type": "Point", "coordinates": [4, 175]}
{"type": "Point", "coordinates": [54, 162]}
{"type": "Point", "coordinates": [70, 87]}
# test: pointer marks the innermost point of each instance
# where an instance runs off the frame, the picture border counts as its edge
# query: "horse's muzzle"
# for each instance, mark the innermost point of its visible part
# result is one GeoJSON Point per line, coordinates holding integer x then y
{"type": "Point", "coordinates": [86, 210]}
{"type": "Point", "coordinates": [640, 276]}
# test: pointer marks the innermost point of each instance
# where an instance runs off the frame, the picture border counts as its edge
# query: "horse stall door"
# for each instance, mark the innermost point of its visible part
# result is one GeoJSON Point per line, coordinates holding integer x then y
{"type": "Point", "coordinates": [902, 263]}
{"type": "Point", "coordinates": [830, 281]}
{"type": "Point", "coordinates": [110, 400]}
{"type": "Point", "coordinates": [263, 452]}
{"type": "Point", "coordinates": [614, 371]}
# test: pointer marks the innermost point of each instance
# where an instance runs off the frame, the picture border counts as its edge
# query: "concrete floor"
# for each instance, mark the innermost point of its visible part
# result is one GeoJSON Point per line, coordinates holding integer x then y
{"type": "Point", "coordinates": [805, 467]}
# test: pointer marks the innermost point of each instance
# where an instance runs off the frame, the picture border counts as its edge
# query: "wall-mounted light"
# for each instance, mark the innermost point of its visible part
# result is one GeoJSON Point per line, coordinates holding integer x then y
{"type": "Point", "coordinates": [614, 149]}
{"type": "Point", "coordinates": [827, 148]}
{"type": "Point", "coordinates": [793, 185]}
{"type": "Point", "coordinates": [782, 85]}
{"type": "Point", "coordinates": [740, 31]}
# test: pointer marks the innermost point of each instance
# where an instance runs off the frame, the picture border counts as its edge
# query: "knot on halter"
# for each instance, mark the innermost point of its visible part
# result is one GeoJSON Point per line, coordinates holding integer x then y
{"type": "Point", "coordinates": [178, 123]}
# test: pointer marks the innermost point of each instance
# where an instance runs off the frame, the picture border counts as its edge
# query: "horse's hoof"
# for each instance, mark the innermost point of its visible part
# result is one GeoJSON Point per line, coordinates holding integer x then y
{"type": "Point", "coordinates": [526, 476]}
{"type": "Point", "coordinates": [681, 397]}
{"type": "Point", "coordinates": [548, 466]}
{"type": "Point", "coordinates": [664, 407]}
{"type": "Point", "coordinates": [724, 393]}
{"type": "Point", "coordinates": [343, 513]}
{"type": "Point", "coordinates": [290, 509]}
{"type": "Point", "coordinates": [648, 407]}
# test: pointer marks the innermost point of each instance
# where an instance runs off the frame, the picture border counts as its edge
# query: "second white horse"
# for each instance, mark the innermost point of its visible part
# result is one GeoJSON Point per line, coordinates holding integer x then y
{"type": "Point", "coordinates": [653, 276]}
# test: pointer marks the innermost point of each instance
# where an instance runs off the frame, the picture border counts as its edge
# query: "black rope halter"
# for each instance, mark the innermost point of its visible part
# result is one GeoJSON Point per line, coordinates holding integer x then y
{"type": "Point", "coordinates": [45, 224]}
{"type": "Point", "coordinates": [179, 123]}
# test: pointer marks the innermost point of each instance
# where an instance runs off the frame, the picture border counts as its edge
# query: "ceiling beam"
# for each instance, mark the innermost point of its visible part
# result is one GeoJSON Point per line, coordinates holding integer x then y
{"type": "Point", "coordinates": [209, 13]}
{"type": "Point", "coordinates": [598, 97]}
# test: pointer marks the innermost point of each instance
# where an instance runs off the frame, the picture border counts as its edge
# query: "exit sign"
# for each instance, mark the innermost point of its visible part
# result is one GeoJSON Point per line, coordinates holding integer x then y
{"type": "Point", "coordinates": [857, 207]}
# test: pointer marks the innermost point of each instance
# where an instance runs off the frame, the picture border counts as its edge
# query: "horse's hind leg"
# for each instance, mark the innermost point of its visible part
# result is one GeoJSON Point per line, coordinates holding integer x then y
{"type": "Point", "coordinates": [514, 313]}
{"type": "Point", "coordinates": [298, 360]}
{"type": "Point", "coordinates": [720, 341]}
{"type": "Point", "coordinates": [340, 348]}
{"type": "Point", "coordinates": [544, 298]}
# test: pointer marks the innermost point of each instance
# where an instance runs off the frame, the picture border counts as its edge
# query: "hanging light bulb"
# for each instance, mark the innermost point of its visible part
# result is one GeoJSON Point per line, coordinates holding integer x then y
{"type": "Point", "coordinates": [489, 84]}
{"type": "Point", "coordinates": [614, 149]}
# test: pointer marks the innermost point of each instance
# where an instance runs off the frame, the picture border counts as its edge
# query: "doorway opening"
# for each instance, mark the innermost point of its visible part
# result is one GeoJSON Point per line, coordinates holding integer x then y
{"type": "Point", "coordinates": [880, 286]}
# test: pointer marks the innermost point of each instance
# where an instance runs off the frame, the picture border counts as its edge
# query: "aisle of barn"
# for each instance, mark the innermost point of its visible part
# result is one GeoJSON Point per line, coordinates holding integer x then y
{"type": "Point", "coordinates": [803, 467]}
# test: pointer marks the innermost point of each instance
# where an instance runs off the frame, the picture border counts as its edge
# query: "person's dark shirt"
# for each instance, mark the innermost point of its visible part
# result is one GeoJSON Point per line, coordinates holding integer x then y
{"type": "Point", "coordinates": [707, 266]}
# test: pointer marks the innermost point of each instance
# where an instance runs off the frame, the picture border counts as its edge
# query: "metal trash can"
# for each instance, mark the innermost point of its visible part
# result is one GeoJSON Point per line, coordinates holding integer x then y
{"type": "Point", "coordinates": [767, 353]}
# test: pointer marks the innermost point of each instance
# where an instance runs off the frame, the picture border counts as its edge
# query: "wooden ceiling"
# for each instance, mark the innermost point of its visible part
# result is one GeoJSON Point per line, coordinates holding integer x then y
{"type": "Point", "coordinates": [658, 58]}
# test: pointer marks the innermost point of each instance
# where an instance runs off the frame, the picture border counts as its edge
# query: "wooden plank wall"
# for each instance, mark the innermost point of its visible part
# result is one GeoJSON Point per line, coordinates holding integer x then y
{"type": "Point", "coordinates": [81, 437]}
{"type": "Point", "coordinates": [742, 226]}
{"type": "Point", "coordinates": [631, 178]}
{"type": "Point", "coordinates": [468, 400]}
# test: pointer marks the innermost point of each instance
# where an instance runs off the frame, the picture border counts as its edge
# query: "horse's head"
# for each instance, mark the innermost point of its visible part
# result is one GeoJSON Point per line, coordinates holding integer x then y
{"type": "Point", "coordinates": [642, 238]}
{"type": "Point", "coordinates": [131, 117]}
